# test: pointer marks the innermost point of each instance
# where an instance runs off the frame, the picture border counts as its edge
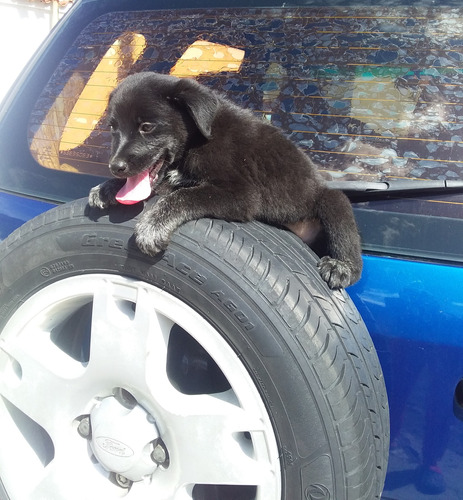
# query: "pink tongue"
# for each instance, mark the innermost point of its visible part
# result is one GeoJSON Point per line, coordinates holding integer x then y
{"type": "Point", "coordinates": [135, 189]}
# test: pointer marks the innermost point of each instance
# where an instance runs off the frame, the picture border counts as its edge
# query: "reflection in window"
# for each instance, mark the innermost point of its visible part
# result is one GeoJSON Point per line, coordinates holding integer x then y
{"type": "Point", "coordinates": [370, 94]}
{"type": "Point", "coordinates": [80, 106]}
{"type": "Point", "coordinates": [202, 58]}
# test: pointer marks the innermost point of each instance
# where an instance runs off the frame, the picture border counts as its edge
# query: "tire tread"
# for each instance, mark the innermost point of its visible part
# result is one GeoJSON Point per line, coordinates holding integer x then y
{"type": "Point", "coordinates": [295, 290]}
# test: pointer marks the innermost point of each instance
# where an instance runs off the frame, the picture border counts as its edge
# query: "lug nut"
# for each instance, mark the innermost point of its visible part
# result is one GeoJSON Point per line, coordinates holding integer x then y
{"type": "Point", "coordinates": [122, 481]}
{"type": "Point", "coordinates": [85, 429]}
{"type": "Point", "coordinates": [159, 453]}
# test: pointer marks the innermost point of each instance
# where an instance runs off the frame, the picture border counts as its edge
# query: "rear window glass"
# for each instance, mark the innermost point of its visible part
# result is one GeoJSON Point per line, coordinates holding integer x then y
{"type": "Point", "coordinates": [370, 95]}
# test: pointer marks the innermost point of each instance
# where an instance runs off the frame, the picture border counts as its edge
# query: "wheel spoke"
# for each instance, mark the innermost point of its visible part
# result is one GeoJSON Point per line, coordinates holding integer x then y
{"type": "Point", "coordinates": [43, 384]}
{"type": "Point", "coordinates": [72, 476]}
{"type": "Point", "coordinates": [161, 488]}
{"type": "Point", "coordinates": [124, 334]}
{"type": "Point", "coordinates": [212, 447]}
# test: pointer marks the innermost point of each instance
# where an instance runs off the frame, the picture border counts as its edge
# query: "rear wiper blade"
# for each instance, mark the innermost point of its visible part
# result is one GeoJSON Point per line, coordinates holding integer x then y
{"type": "Point", "coordinates": [395, 186]}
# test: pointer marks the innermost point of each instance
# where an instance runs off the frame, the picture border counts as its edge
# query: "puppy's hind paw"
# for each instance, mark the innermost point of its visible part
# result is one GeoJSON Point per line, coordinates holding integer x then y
{"type": "Point", "coordinates": [337, 273]}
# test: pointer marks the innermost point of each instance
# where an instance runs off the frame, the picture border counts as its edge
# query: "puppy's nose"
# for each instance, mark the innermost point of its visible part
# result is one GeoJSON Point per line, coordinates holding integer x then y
{"type": "Point", "coordinates": [118, 167]}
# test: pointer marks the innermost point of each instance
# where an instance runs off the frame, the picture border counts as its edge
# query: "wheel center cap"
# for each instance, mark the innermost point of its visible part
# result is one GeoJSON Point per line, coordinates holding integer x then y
{"type": "Point", "coordinates": [122, 439]}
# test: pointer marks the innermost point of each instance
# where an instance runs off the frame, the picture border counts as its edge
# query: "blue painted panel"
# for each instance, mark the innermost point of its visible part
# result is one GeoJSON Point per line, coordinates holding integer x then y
{"type": "Point", "coordinates": [414, 312]}
{"type": "Point", "coordinates": [15, 210]}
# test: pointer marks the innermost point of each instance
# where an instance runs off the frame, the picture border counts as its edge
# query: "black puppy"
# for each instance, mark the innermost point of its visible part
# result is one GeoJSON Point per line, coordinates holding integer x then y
{"type": "Point", "coordinates": [206, 157]}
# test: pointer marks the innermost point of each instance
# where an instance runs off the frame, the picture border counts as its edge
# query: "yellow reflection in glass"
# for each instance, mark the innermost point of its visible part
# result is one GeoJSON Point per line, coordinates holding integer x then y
{"type": "Point", "coordinates": [80, 106]}
{"type": "Point", "coordinates": [203, 57]}
{"type": "Point", "coordinates": [70, 122]}
{"type": "Point", "coordinates": [93, 100]}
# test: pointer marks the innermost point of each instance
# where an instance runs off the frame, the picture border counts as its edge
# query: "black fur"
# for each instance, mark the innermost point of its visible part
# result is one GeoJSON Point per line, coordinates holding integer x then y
{"type": "Point", "coordinates": [214, 159]}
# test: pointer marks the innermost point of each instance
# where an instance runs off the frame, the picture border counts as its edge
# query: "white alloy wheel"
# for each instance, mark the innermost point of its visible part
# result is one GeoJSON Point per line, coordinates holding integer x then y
{"type": "Point", "coordinates": [99, 399]}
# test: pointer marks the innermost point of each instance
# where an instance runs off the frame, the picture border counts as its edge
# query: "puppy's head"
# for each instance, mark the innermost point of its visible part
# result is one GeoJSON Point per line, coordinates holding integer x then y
{"type": "Point", "coordinates": [153, 119]}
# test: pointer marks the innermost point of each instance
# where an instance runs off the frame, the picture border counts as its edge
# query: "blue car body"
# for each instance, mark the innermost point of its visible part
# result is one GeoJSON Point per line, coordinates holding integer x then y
{"type": "Point", "coordinates": [410, 295]}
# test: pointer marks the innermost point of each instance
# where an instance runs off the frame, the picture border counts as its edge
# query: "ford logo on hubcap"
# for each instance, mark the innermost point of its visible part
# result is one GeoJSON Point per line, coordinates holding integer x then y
{"type": "Point", "coordinates": [117, 448]}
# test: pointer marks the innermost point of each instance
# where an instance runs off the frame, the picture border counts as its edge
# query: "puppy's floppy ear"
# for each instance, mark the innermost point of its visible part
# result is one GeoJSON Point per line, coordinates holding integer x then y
{"type": "Point", "coordinates": [200, 103]}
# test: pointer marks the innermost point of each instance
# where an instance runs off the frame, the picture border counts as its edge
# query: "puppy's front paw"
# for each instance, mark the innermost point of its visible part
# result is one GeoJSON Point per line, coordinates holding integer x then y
{"type": "Point", "coordinates": [150, 239]}
{"type": "Point", "coordinates": [337, 273]}
{"type": "Point", "coordinates": [104, 195]}
{"type": "Point", "coordinates": [95, 199]}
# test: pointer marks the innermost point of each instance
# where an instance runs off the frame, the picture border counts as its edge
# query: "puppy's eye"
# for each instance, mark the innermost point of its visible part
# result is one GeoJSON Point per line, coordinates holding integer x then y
{"type": "Point", "coordinates": [146, 127]}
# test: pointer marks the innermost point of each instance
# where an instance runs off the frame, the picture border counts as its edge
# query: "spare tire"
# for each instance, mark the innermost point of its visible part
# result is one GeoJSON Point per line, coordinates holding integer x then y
{"type": "Point", "coordinates": [222, 369]}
